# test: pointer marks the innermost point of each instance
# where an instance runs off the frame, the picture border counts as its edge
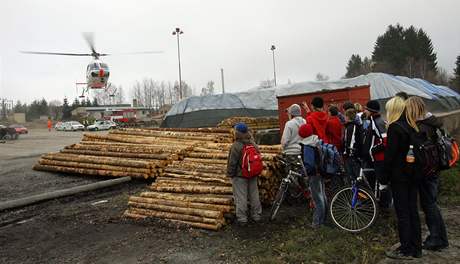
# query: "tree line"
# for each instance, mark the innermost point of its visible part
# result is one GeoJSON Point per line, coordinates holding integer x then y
{"type": "Point", "coordinates": [407, 52]}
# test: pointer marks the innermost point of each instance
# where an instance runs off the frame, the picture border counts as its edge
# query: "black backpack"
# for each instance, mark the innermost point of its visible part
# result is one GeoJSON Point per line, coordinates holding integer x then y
{"type": "Point", "coordinates": [426, 153]}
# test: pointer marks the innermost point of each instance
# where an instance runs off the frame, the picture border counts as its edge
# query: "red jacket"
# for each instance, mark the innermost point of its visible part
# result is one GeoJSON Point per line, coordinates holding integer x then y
{"type": "Point", "coordinates": [334, 131]}
{"type": "Point", "coordinates": [318, 120]}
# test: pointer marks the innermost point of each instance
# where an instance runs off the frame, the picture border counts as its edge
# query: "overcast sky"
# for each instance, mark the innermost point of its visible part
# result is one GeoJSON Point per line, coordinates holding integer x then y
{"type": "Point", "coordinates": [310, 36]}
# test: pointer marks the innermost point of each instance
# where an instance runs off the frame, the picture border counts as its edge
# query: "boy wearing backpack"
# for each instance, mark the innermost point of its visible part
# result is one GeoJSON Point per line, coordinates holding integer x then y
{"type": "Point", "coordinates": [243, 166]}
{"type": "Point", "coordinates": [311, 158]}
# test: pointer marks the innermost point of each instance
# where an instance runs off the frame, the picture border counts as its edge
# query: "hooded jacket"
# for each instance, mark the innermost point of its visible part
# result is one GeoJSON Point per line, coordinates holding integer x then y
{"type": "Point", "coordinates": [429, 125]}
{"type": "Point", "coordinates": [375, 134]}
{"type": "Point", "coordinates": [291, 139]}
{"type": "Point", "coordinates": [235, 155]}
{"type": "Point", "coordinates": [334, 131]}
{"type": "Point", "coordinates": [318, 120]}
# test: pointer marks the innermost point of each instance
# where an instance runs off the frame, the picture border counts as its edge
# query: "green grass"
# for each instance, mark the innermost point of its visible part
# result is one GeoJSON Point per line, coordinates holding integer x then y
{"type": "Point", "coordinates": [301, 244]}
{"type": "Point", "coordinates": [449, 188]}
{"type": "Point", "coordinates": [298, 243]}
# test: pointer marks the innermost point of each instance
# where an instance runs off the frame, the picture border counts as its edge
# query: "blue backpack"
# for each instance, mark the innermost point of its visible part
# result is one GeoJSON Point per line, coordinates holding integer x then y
{"type": "Point", "coordinates": [310, 158]}
{"type": "Point", "coordinates": [329, 158]}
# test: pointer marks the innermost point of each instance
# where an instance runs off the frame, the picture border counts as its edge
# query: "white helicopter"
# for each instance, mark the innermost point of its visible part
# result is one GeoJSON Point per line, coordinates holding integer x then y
{"type": "Point", "coordinates": [97, 72]}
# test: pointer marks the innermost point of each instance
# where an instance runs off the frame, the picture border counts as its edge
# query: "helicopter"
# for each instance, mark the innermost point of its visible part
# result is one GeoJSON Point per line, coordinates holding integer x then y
{"type": "Point", "coordinates": [97, 71]}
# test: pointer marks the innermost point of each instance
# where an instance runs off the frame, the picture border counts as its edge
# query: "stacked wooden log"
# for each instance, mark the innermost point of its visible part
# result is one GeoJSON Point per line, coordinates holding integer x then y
{"type": "Point", "coordinates": [254, 123]}
{"type": "Point", "coordinates": [115, 154]}
{"type": "Point", "coordinates": [196, 191]}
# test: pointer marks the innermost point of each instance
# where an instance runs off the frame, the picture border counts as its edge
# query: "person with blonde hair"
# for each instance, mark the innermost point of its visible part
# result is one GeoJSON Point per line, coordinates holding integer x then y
{"type": "Point", "coordinates": [403, 181]}
{"type": "Point", "coordinates": [426, 126]}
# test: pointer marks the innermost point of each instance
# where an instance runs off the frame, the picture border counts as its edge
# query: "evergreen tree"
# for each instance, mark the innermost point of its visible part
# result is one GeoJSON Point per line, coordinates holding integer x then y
{"type": "Point", "coordinates": [354, 66]}
{"type": "Point", "coordinates": [19, 107]}
{"type": "Point", "coordinates": [75, 103]}
{"type": "Point", "coordinates": [456, 79]}
{"type": "Point", "coordinates": [406, 52]}
{"type": "Point", "coordinates": [95, 103]}
{"type": "Point", "coordinates": [88, 102]}
{"type": "Point", "coordinates": [66, 110]}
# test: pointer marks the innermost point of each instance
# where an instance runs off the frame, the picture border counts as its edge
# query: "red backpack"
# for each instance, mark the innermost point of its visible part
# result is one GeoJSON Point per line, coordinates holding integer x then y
{"type": "Point", "coordinates": [251, 165]}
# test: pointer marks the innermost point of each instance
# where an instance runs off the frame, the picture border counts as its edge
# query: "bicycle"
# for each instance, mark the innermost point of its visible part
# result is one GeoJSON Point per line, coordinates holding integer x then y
{"type": "Point", "coordinates": [291, 186]}
{"type": "Point", "coordinates": [355, 208]}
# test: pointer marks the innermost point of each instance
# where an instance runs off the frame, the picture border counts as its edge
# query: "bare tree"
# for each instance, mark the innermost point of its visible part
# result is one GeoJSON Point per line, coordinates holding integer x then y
{"type": "Point", "coordinates": [321, 77]}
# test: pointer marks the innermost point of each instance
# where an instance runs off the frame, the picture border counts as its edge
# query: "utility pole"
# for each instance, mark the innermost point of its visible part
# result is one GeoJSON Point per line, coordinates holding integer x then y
{"type": "Point", "coordinates": [274, 69]}
{"type": "Point", "coordinates": [222, 78]}
{"type": "Point", "coordinates": [178, 32]}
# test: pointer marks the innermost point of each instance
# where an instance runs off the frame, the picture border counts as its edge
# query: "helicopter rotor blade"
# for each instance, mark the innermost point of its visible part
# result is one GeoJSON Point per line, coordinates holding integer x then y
{"type": "Point", "coordinates": [56, 53]}
{"type": "Point", "coordinates": [89, 37]}
{"type": "Point", "coordinates": [134, 53]}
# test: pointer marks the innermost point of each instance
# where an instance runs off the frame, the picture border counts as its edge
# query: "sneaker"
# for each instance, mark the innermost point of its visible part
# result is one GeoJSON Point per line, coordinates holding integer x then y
{"type": "Point", "coordinates": [398, 254]}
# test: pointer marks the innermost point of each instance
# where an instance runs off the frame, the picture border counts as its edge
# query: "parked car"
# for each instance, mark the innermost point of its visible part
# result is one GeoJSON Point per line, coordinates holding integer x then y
{"type": "Point", "coordinates": [113, 124]}
{"type": "Point", "coordinates": [73, 126]}
{"type": "Point", "coordinates": [100, 125]}
{"type": "Point", "coordinates": [20, 129]}
{"type": "Point", "coordinates": [59, 126]}
{"type": "Point", "coordinates": [8, 133]}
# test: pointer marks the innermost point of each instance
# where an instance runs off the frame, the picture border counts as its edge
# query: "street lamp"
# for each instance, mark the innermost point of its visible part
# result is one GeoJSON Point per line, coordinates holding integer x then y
{"type": "Point", "coordinates": [274, 69]}
{"type": "Point", "coordinates": [178, 32]}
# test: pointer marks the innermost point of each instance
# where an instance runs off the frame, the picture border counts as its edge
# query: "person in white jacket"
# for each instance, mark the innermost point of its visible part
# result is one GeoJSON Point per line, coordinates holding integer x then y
{"type": "Point", "coordinates": [290, 141]}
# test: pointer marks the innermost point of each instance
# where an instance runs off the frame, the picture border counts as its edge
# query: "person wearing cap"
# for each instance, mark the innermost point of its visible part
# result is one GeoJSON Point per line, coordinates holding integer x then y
{"type": "Point", "coordinates": [373, 149]}
{"type": "Point", "coordinates": [244, 189]}
{"type": "Point", "coordinates": [309, 145]}
{"type": "Point", "coordinates": [290, 139]}
{"type": "Point", "coordinates": [317, 118]}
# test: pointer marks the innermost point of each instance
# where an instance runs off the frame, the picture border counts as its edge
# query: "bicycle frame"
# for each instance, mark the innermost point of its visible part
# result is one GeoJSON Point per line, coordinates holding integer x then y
{"type": "Point", "coordinates": [355, 188]}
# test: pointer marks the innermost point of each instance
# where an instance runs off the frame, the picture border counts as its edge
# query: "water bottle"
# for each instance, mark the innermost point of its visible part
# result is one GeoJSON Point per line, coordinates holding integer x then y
{"type": "Point", "coordinates": [410, 158]}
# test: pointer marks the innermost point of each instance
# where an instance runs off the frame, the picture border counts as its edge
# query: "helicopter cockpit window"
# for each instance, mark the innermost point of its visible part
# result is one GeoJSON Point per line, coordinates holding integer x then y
{"type": "Point", "coordinates": [104, 66]}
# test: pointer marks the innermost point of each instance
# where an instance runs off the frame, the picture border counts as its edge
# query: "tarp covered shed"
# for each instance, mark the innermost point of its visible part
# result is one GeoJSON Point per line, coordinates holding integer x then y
{"type": "Point", "coordinates": [208, 111]}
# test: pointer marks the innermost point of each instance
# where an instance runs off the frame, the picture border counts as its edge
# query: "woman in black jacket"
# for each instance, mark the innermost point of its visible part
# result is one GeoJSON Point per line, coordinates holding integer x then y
{"type": "Point", "coordinates": [403, 182]}
{"type": "Point", "coordinates": [428, 189]}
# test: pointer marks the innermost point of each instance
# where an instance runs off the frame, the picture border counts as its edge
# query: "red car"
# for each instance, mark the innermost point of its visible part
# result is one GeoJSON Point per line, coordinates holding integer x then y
{"type": "Point", "coordinates": [20, 129]}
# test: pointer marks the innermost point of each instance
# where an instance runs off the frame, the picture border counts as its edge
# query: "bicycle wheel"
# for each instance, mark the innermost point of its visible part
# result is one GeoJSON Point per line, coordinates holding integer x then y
{"type": "Point", "coordinates": [357, 218]}
{"type": "Point", "coordinates": [280, 195]}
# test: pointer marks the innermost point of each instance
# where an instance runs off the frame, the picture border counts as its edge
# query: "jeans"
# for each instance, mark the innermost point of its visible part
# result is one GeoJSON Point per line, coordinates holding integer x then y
{"type": "Point", "coordinates": [405, 202]}
{"type": "Point", "coordinates": [428, 199]}
{"type": "Point", "coordinates": [319, 198]}
{"type": "Point", "coordinates": [243, 190]}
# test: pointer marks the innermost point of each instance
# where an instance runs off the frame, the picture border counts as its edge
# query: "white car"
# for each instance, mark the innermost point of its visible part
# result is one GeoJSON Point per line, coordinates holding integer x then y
{"type": "Point", "coordinates": [73, 126]}
{"type": "Point", "coordinates": [59, 126]}
{"type": "Point", "coordinates": [100, 125]}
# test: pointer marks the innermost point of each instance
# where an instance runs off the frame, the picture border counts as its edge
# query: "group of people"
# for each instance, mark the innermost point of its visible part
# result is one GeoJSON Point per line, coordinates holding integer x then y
{"type": "Point", "coordinates": [365, 140]}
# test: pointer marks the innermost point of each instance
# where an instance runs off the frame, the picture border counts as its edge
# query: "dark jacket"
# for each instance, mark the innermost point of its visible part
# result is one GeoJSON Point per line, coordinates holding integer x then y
{"type": "Point", "coordinates": [373, 137]}
{"type": "Point", "coordinates": [235, 155]}
{"type": "Point", "coordinates": [429, 125]}
{"type": "Point", "coordinates": [355, 149]}
{"type": "Point", "coordinates": [395, 166]}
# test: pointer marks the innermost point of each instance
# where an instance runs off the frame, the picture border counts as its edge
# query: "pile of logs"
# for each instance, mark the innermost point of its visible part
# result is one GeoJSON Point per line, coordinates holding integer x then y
{"type": "Point", "coordinates": [189, 167]}
{"type": "Point", "coordinates": [196, 191]}
{"type": "Point", "coordinates": [254, 123]}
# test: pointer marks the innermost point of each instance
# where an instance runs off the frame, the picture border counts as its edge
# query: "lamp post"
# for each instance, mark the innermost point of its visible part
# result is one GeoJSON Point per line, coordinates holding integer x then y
{"type": "Point", "coordinates": [178, 32]}
{"type": "Point", "coordinates": [274, 69]}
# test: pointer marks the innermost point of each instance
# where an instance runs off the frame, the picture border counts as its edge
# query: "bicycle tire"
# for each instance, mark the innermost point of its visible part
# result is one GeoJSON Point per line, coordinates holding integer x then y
{"type": "Point", "coordinates": [356, 219]}
{"type": "Point", "coordinates": [279, 198]}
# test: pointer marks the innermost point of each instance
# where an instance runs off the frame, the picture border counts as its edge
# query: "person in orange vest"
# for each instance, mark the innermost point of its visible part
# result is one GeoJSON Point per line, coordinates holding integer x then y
{"type": "Point", "coordinates": [49, 124]}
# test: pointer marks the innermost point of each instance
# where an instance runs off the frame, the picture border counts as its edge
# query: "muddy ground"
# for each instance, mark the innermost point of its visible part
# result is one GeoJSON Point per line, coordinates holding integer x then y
{"type": "Point", "coordinates": [88, 228]}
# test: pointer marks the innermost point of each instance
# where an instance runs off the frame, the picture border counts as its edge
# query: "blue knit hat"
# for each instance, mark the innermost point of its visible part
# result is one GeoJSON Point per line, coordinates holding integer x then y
{"type": "Point", "coordinates": [241, 127]}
